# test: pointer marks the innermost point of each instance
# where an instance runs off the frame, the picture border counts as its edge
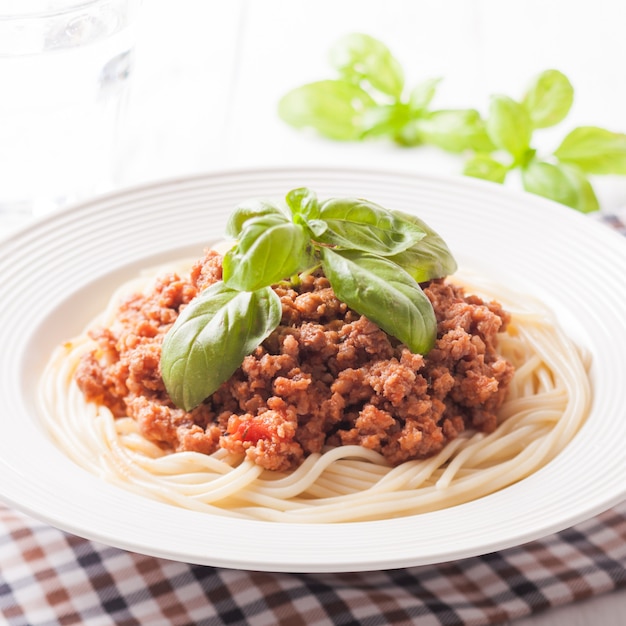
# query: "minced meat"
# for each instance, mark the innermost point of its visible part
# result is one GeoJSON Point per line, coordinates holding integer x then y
{"type": "Point", "coordinates": [326, 376]}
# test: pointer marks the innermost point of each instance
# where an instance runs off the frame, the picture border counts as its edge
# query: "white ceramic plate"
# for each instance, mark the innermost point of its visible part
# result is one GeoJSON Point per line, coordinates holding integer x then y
{"type": "Point", "coordinates": [57, 274]}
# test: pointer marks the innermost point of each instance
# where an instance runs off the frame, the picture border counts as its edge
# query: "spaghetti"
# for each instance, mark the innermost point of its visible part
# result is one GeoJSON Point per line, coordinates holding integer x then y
{"type": "Point", "coordinates": [547, 402]}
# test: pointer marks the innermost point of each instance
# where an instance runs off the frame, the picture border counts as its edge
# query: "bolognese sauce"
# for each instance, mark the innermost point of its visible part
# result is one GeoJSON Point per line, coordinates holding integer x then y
{"type": "Point", "coordinates": [325, 377]}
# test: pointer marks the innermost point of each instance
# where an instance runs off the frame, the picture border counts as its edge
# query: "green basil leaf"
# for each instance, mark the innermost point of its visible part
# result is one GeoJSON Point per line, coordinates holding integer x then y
{"type": "Point", "coordinates": [485, 167]}
{"type": "Point", "coordinates": [211, 337]}
{"type": "Point", "coordinates": [384, 293]}
{"type": "Point", "coordinates": [270, 248]}
{"type": "Point", "coordinates": [509, 127]}
{"type": "Point", "coordinates": [409, 135]}
{"type": "Point", "coordinates": [357, 224]}
{"type": "Point", "coordinates": [594, 150]}
{"type": "Point", "coordinates": [549, 180]}
{"type": "Point", "coordinates": [358, 56]}
{"type": "Point", "coordinates": [587, 201]}
{"type": "Point", "coordinates": [334, 108]}
{"type": "Point", "coordinates": [455, 130]}
{"type": "Point", "coordinates": [302, 201]}
{"type": "Point", "coordinates": [422, 94]}
{"type": "Point", "coordinates": [317, 227]}
{"type": "Point", "coordinates": [548, 99]}
{"type": "Point", "coordinates": [560, 182]}
{"type": "Point", "coordinates": [248, 210]}
{"type": "Point", "coordinates": [427, 259]}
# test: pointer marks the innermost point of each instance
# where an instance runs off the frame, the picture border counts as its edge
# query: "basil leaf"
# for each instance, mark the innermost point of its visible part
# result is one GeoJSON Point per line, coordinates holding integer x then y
{"type": "Point", "coordinates": [587, 201]}
{"type": "Point", "coordinates": [384, 293]}
{"type": "Point", "coordinates": [548, 180]}
{"type": "Point", "coordinates": [302, 201]}
{"type": "Point", "coordinates": [562, 183]}
{"type": "Point", "coordinates": [317, 227]}
{"type": "Point", "coordinates": [455, 130]}
{"type": "Point", "coordinates": [358, 56]}
{"type": "Point", "coordinates": [246, 211]}
{"type": "Point", "coordinates": [427, 259]}
{"type": "Point", "coordinates": [422, 94]}
{"type": "Point", "coordinates": [485, 167]}
{"type": "Point", "coordinates": [270, 249]}
{"type": "Point", "coordinates": [211, 337]}
{"type": "Point", "coordinates": [594, 150]}
{"type": "Point", "coordinates": [334, 108]}
{"type": "Point", "coordinates": [548, 99]}
{"type": "Point", "coordinates": [357, 224]}
{"type": "Point", "coordinates": [509, 127]}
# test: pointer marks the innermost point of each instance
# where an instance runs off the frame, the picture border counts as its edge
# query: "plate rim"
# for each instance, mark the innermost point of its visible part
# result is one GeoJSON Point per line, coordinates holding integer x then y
{"type": "Point", "coordinates": [356, 562]}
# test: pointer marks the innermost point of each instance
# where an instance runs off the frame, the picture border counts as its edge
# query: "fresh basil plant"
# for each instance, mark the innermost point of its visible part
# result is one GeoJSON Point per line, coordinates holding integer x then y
{"type": "Point", "coordinates": [374, 259]}
{"type": "Point", "coordinates": [368, 98]}
{"type": "Point", "coordinates": [562, 175]}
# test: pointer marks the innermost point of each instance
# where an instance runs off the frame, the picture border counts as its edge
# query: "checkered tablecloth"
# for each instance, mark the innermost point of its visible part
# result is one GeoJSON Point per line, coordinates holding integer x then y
{"type": "Point", "coordinates": [48, 577]}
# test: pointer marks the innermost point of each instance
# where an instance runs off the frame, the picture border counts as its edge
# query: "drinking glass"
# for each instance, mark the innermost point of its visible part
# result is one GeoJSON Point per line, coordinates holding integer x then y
{"type": "Point", "coordinates": [65, 67]}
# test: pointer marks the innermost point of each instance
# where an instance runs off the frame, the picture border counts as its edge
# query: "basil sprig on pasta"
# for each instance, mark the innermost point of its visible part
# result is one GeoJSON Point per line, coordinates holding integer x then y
{"type": "Point", "coordinates": [374, 259]}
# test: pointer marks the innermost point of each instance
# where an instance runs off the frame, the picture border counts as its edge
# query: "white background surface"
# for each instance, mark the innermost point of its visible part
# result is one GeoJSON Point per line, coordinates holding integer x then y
{"type": "Point", "coordinates": [209, 74]}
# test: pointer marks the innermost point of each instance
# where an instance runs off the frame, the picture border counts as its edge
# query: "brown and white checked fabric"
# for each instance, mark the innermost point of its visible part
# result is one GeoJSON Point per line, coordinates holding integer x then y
{"type": "Point", "coordinates": [50, 578]}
